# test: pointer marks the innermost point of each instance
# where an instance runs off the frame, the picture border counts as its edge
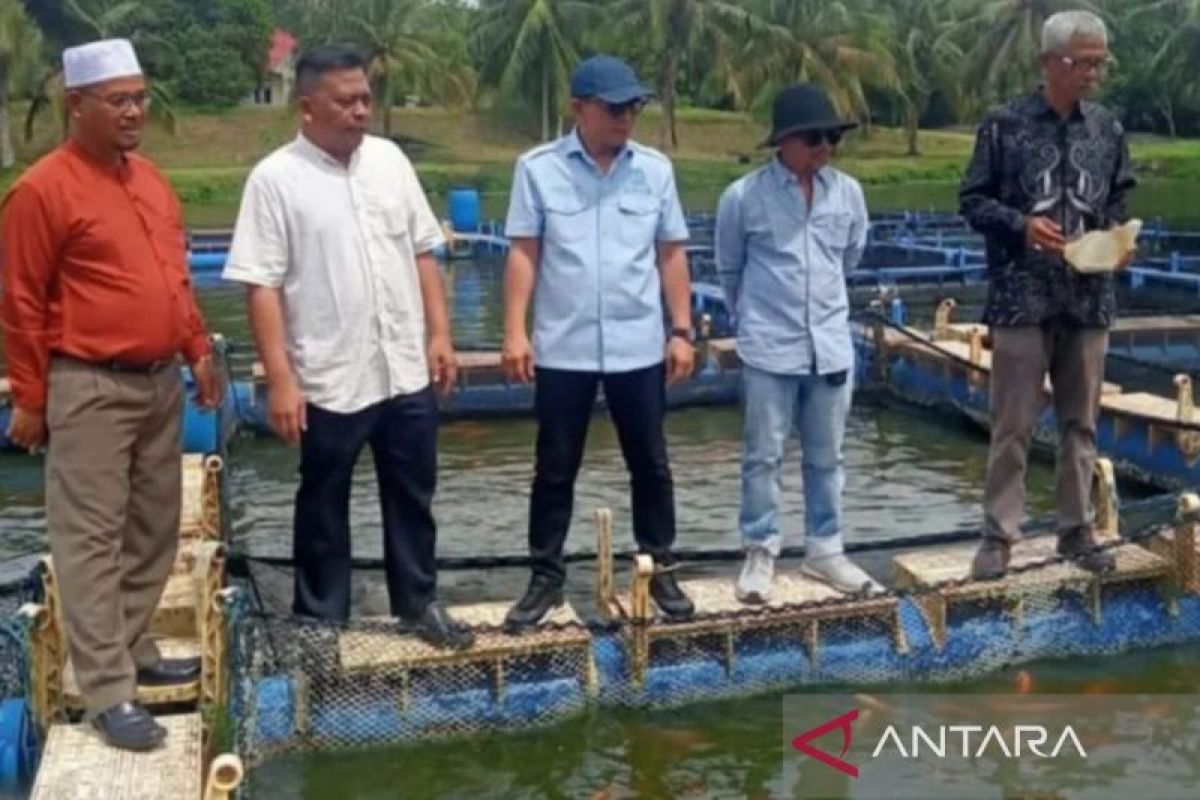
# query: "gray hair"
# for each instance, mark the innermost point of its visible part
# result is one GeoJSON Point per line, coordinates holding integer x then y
{"type": "Point", "coordinates": [1061, 28]}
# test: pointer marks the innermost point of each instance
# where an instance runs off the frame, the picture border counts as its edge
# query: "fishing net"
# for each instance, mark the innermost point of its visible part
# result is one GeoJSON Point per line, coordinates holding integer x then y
{"type": "Point", "coordinates": [301, 684]}
{"type": "Point", "coordinates": [14, 638]}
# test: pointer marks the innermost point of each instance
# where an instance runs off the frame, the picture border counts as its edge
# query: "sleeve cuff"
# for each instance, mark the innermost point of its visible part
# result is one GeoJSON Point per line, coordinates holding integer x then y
{"type": "Point", "coordinates": [32, 399]}
{"type": "Point", "coordinates": [1019, 223]}
{"type": "Point", "coordinates": [428, 245]}
{"type": "Point", "coordinates": [254, 277]}
{"type": "Point", "coordinates": [197, 348]}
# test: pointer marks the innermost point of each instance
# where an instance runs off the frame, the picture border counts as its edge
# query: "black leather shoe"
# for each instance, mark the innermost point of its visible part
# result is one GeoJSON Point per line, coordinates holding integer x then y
{"type": "Point", "coordinates": [439, 629]}
{"type": "Point", "coordinates": [128, 726]}
{"type": "Point", "coordinates": [670, 598]}
{"type": "Point", "coordinates": [991, 559]}
{"type": "Point", "coordinates": [542, 594]}
{"type": "Point", "coordinates": [1079, 545]}
{"type": "Point", "coordinates": [170, 672]}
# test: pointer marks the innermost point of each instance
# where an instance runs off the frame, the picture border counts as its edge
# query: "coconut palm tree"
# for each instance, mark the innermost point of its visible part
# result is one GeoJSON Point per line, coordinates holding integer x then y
{"type": "Point", "coordinates": [20, 50]}
{"type": "Point", "coordinates": [1006, 38]}
{"type": "Point", "coordinates": [925, 57]}
{"type": "Point", "coordinates": [833, 43]}
{"type": "Point", "coordinates": [1170, 30]}
{"type": "Point", "coordinates": [402, 41]}
{"type": "Point", "coordinates": [105, 19]}
{"type": "Point", "coordinates": [529, 47]}
{"type": "Point", "coordinates": [677, 29]}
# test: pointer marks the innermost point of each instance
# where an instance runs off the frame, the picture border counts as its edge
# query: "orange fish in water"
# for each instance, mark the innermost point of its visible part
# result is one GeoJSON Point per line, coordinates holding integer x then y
{"type": "Point", "coordinates": [1100, 687]}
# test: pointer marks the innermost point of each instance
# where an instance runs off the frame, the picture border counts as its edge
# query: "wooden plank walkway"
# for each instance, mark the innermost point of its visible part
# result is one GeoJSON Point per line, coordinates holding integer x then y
{"type": "Point", "coordinates": [149, 695]}
{"type": "Point", "coordinates": [927, 568]}
{"type": "Point", "coordinates": [962, 350]}
{"type": "Point", "coordinates": [1184, 323]}
{"type": "Point", "coordinates": [719, 613]}
{"type": "Point", "coordinates": [1144, 404]}
{"type": "Point", "coordinates": [364, 650]}
{"type": "Point", "coordinates": [715, 596]}
{"type": "Point", "coordinates": [77, 765]}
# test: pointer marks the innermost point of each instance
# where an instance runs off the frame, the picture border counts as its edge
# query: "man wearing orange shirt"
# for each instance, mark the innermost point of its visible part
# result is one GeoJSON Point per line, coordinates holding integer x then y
{"type": "Point", "coordinates": [97, 309]}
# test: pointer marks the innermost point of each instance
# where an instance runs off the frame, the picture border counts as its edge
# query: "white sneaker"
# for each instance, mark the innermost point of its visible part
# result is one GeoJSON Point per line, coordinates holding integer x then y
{"type": "Point", "coordinates": [841, 573]}
{"type": "Point", "coordinates": [754, 584]}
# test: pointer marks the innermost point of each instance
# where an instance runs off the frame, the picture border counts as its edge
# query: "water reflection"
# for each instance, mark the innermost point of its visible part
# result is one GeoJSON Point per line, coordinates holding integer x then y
{"type": "Point", "coordinates": [728, 749]}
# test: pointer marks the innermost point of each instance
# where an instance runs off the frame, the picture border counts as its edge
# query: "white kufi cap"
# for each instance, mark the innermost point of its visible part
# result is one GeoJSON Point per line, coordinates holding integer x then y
{"type": "Point", "coordinates": [99, 61]}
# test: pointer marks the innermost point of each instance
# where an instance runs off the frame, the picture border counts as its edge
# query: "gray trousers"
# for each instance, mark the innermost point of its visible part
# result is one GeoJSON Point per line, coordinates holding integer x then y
{"type": "Point", "coordinates": [112, 516]}
{"type": "Point", "coordinates": [1021, 358]}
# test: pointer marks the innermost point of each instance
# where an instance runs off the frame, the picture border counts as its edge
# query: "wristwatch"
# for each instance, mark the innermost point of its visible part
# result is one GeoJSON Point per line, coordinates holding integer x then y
{"type": "Point", "coordinates": [687, 334]}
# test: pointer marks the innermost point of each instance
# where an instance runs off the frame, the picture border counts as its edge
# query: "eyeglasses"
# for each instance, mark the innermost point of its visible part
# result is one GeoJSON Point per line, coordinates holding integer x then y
{"type": "Point", "coordinates": [123, 100]}
{"type": "Point", "coordinates": [814, 138]}
{"type": "Point", "coordinates": [618, 110]}
{"type": "Point", "coordinates": [1100, 65]}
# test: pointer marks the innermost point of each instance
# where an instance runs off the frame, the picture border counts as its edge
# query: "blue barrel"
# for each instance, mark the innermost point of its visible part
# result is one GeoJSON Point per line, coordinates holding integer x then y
{"type": "Point", "coordinates": [201, 429]}
{"type": "Point", "coordinates": [18, 746]}
{"type": "Point", "coordinates": [213, 261]}
{"type": "Point", "coordinates": [462, 205]}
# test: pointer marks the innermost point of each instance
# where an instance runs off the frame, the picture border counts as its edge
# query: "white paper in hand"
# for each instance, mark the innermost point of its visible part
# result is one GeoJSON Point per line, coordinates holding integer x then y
{"type": "Point", "coordinates": [1102, 251]}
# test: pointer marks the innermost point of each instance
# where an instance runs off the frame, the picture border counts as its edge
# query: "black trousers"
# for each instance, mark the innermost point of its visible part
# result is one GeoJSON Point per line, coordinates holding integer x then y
{"type": "Point", "coordinates": [402, 433]}
{"type": "Point", "coordinates": [563, 401]}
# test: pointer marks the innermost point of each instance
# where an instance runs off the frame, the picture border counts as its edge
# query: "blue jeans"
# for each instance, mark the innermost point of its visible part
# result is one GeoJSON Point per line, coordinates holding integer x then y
{"type": "Point", "coordinates": [817, 409]}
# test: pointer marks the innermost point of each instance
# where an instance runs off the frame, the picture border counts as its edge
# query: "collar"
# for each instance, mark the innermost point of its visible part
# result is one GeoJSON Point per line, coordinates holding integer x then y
{"type": "Point", "coordinates": [572, 145]}
{"type": "Point", "coordinates": [786, 177]}
{"type": "Point", "coordinates": [311, 150]}
{"type": "Point", "coordinates": [1042, 108]}
{"type": "Point", "coordinates": [120, 170]}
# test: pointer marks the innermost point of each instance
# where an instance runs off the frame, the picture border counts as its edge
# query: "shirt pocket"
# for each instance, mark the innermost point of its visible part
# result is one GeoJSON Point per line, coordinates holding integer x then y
{"type": "Point", "coordinates": [566, 222]}
{"type": "Point", "coordinates": [762, 228]}
{"type": "Point", "coordinates": [637, 219]}
{"type": "Point", "coordinates": [831, 231]}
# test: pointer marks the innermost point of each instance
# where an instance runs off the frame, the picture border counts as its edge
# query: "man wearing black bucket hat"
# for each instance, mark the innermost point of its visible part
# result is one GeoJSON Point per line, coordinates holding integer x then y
{"type": "Point", "coordinates": [786, 236]}
{"type": "Point", "coordinates": [597, 242]}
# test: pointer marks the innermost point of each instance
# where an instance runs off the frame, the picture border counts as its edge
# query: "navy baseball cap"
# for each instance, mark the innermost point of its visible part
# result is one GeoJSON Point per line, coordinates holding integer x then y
{"type": "Point", "coordinates": [607, 78]}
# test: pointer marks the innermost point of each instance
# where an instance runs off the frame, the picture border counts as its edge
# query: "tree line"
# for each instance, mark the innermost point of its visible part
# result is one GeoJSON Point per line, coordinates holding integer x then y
{"type": "Point", "coordinates": [907, 63]}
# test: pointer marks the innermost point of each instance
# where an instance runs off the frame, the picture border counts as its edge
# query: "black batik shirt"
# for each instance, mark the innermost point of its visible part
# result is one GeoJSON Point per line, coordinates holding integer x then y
{"type": "Point", "coordinates": [1029, 161]}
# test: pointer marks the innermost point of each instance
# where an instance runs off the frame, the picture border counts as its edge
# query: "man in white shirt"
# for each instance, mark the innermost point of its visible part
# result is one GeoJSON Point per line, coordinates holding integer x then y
{"type": "Point", "coordinates": [335, 242]}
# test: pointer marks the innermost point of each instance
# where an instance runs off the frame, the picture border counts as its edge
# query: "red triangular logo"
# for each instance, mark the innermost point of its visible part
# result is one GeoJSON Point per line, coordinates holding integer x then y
{"type": "Point", "coordinates": [801, 742]}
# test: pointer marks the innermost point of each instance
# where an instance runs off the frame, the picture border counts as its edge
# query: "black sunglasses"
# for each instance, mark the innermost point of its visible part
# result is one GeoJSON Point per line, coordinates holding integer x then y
{"type": "Point", "coordinates": [814, 138]}
{"type": "Point", "coordinates": [619, 109]}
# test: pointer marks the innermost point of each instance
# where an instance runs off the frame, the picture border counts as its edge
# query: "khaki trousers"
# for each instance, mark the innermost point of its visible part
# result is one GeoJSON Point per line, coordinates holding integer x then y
{"type": "Point", "coordinates": [112, 515]}
{"type": "Point", "coordinates": [1021, 358]}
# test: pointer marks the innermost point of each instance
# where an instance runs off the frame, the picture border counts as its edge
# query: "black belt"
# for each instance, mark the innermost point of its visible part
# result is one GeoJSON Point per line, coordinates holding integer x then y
{"type": "Point", "coordinates": [117, 365]}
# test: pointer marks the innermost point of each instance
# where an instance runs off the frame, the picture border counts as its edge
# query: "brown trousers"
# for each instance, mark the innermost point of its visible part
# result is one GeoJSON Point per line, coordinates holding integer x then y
{"type": "Point", "coordinates": [112, 514]}
{"type": "Point", "coordinates": [1021, 357]}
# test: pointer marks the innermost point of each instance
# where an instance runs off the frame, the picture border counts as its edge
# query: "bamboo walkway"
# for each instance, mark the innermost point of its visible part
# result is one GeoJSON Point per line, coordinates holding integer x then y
{"type": "Point", "coordinates": [75, 762]}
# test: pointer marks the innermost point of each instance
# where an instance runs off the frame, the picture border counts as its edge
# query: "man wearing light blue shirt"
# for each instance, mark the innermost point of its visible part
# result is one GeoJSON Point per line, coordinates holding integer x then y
{"type": "Point", "coordinates": [597, 240]}
{"type": "Point", "coordinates": [786, 236]}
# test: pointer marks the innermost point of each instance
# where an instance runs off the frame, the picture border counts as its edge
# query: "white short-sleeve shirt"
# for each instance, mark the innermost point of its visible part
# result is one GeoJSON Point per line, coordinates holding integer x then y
{"type": "Point", "coordinates": [341, 242]}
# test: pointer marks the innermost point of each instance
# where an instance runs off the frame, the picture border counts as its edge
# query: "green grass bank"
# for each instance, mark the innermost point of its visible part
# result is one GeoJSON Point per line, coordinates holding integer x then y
{"type": "Point", "coordinates": [210, 154]}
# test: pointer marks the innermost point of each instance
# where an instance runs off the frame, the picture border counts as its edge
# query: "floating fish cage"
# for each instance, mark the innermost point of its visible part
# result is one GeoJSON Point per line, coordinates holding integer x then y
{"type": "Point", "coordinates": [273, 684]}
{"type": "Point", "coordinates": [1150, 438]}
{"type": "Point", "coordinates": [298, 684]}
